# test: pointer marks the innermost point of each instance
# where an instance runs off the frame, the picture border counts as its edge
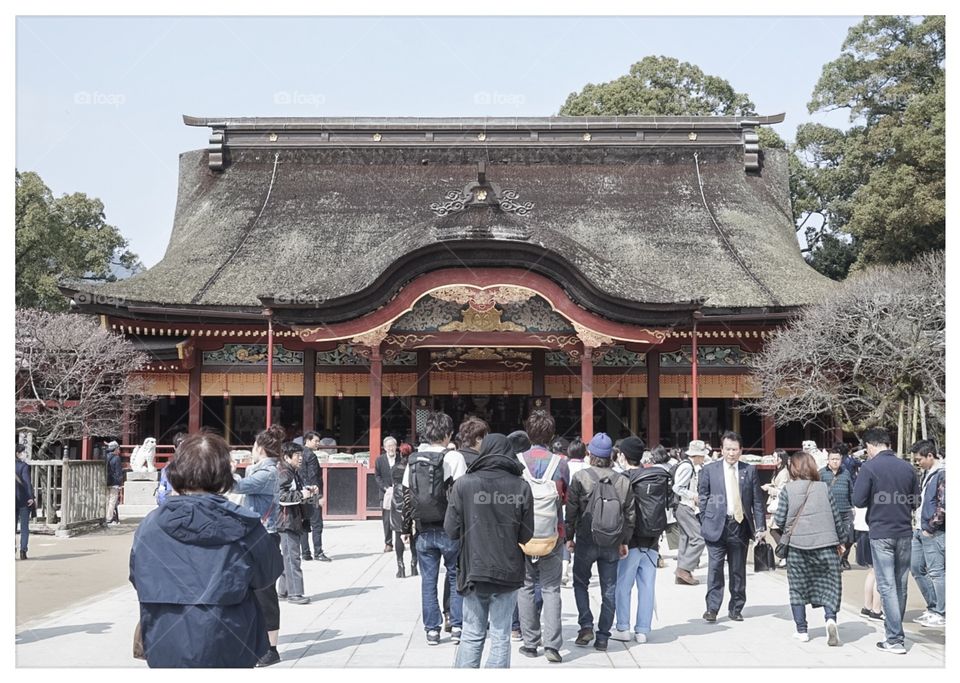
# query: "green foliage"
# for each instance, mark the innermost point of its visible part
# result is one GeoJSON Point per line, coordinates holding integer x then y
{"type": "Point", "coordinates": [659, 86]}
{"type": "Point", "coordinates": [61, 238]}
{"type": "Point", "coordinates": [883, 181]}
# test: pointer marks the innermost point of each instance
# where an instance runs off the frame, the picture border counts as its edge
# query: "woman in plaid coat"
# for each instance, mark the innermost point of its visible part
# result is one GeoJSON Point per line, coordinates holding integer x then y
{"type": "Point", "coordinates": [813, 529]}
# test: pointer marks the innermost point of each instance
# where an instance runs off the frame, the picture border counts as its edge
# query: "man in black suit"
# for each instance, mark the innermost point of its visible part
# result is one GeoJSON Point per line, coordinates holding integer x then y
{"type": "Point", "coordinates": [732, 514]}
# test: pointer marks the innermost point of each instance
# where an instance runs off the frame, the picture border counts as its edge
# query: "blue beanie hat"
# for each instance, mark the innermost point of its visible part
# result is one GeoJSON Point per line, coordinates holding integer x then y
{"type": "Point", "coordinates": [600, 445]}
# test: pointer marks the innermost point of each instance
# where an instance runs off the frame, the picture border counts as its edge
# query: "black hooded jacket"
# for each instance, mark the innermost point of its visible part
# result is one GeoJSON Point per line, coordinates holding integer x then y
{"type": "Point", "coordinates": [490, 511]}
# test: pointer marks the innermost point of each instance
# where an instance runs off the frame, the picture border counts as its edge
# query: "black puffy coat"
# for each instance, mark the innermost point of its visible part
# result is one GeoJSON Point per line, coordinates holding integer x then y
{"type": "Point", "coordinates": [195, 563]}
{"type": "Point", "coordinates": [292, 515]}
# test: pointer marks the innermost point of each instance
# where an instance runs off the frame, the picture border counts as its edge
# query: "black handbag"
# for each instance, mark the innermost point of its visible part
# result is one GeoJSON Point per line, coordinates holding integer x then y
{"type": "Point", "coordinates": [763, 559]}
{"type": "Point", "coordinates": [783, 547]}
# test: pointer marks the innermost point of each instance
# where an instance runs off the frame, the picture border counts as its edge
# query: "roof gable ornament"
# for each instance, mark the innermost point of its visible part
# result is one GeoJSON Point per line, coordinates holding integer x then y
{"type": "Point", "coordinates": [481, 193]}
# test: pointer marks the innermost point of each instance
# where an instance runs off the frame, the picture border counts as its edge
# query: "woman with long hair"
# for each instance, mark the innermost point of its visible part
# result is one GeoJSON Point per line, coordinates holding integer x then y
{"type": "Point", "coordinates": [396, 513]}
{"type": "Point", "coordinates": [813, 530]}
{"type": "Point", "coordinates": [781, 476]}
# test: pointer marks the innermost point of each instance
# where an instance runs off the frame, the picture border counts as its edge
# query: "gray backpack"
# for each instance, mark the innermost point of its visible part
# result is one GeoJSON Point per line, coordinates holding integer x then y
{"type": "Point", "coordinates": [606, 510]}
{"type": "Point", "coordinates": [545, 497]}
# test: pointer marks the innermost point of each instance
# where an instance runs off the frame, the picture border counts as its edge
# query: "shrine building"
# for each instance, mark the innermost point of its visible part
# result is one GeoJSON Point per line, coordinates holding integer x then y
{"type": "Point", "coordinates": [346, 275]}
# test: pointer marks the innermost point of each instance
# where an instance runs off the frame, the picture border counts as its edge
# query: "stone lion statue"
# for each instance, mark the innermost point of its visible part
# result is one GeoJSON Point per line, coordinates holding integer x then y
{"type": "Point", "coordinates": [143, 457]}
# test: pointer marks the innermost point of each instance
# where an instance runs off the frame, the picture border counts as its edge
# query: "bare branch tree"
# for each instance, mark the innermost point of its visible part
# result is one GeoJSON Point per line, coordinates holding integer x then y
{"type": "Point", "coordinates": [74, 378]}
{"type": "Point", "coordinates": [879, 342]}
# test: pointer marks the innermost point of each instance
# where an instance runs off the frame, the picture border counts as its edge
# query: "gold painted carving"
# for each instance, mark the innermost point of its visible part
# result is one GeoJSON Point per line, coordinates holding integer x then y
{"type": "Point", "coordinates": [481, 321]}
{"type": "Point", "coordinates": [372, 338]}
{"type": "Point", "coordinates": [590, 337]}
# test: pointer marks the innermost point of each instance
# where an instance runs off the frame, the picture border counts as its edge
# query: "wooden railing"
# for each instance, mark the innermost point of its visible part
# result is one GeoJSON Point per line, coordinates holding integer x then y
{"type": "Point", "coordinates": [69, 494]}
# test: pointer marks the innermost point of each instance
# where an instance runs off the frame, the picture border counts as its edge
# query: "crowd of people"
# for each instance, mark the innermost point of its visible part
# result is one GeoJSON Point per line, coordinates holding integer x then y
{"type": "Point", "coordinates": [511, 516]}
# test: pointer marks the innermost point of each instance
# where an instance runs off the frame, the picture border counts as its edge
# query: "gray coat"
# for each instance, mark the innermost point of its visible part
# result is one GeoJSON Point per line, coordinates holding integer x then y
{"type": "Point", "coordinates": [819, 526]}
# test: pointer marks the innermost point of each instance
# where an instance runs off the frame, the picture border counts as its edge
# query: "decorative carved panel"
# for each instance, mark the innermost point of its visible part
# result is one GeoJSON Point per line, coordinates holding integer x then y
{"type": "Point", "coordinates": [707, 356]}
{"type": "Point", "coordinates": [344, 354]}
{"type": "Point", "coordinates": [251, 354]}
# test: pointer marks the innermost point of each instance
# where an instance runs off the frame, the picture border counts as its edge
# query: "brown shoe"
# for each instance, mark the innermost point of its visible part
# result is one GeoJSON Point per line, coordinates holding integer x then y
{"type": "Point", "coordinates": [388, 548]}
{"type": "Point", "coordinates": [686, 578]}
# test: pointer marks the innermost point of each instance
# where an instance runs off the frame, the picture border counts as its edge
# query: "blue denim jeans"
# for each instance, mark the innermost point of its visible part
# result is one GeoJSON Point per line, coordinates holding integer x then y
{"type": "Point", "coordinates": [23, 515]}
{"type": "Point", "coordinates": [607, 559]}
{"type": "Point", "coordinates": [495, 609]}
{"type": "Point", "coordinates": [928, 564]}
{"type": "Point", "coordinates": [638, 567]}
{"type": "Point", "coordinates": [433, 544]}
{"type": "Point", "coordinates": [800, 616]}
{"type": "Point", "coordinates": [891, 563]}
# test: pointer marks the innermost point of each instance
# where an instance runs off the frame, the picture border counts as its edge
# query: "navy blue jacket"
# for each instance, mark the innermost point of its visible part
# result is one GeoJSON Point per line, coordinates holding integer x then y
{"type": "Point", "coordinates": [195, 563]}
{"type": "Point", "coordinates": [887, 486]}
{"type": "Point", "coordinates": [712, 490]}
{"type": "Point", "coordinates": [114, 469]}
{"type": "Point", "coordinates": [24, 488]}
{"type": "Point", "coordinates": [933, 515]}
{"type": "Point", "coordinates": [851, 465]}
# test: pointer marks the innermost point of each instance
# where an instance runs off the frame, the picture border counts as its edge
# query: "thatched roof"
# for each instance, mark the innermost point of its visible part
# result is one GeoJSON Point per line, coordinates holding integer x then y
{"type": "Point", "coordinates": [620, 216]}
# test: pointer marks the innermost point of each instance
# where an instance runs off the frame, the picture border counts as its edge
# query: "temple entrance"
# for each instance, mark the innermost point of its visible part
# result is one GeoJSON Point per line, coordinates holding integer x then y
{"type": "Point", "coordinates": [504, 414]}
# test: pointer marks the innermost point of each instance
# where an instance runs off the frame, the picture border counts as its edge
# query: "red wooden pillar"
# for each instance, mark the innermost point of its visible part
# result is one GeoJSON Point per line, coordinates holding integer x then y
{"type": "Point", "coordinates": [376, 394]}
{"type": "Point", "coordinates": [696, 387]}
{"type": "Point", "coordinates": [269, 369]}
{"type": "Point", "coordinates": [309, 389]}
{"type": "Point", "coordinates": [195, 401]}
{"type": "Point", "coordinates": [586, 394]}
{"type": "Point", "coordinates": [653, 399]}
{"type": "Point", "coordinates": [85, 449]}
{"type": "Point", "coordinates": [769, 435]}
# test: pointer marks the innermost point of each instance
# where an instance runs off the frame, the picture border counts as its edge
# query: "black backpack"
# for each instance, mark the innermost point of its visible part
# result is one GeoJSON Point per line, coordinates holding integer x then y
{"type": "Point", "coordinates": [428, 487]}
{"type": "Point", "coordinates": [606, 510]}
{"type": "Point", "coordinates": [652, 489]}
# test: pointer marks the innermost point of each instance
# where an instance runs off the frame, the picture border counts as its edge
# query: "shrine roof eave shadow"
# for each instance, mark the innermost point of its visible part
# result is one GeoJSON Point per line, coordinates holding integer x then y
{"type": "Point", "coordinates": [469, 254]}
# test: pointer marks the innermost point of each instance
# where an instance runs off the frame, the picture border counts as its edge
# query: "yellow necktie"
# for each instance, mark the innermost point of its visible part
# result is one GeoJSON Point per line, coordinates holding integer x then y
{"type": "Point", "coordinates": [734, 486]}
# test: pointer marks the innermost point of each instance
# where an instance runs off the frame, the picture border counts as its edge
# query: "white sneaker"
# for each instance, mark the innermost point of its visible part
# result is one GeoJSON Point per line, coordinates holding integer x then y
{"type": "Point", "coordinates": [935, 620]}
{"type": "Point", "coordinates": [802, 637]}
{"type": "Point", "coordinates": [640, 637]}
{"type": "Point", "coordinates": [922, 619]}
{"type": "Point", "coordinates": [833, 633]}
{"type": "Point", "coordinates": [623, 636]}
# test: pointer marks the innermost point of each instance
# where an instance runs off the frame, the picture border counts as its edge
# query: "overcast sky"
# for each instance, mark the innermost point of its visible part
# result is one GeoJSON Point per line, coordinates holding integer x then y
{"type": "Point", "coordinates": [99, 100]}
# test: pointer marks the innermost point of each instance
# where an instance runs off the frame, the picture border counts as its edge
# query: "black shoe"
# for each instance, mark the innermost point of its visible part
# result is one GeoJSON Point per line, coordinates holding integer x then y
{"type": "Point", "coordinates": [401, 573]}
{"type": "Point", "coordinates": [306, 557]}
{"type": "Point", "coordinates": [584, 636]}
{"type": "Point", "coordinates": [600, 644]}
{"type": "Point", "coordinates": [552, 655]}
{"type": "Point", "coordinates": [272, 657]}
{"type": "Point", "coordinates": [844, 565]}
{"type": "Point", "coordinates": [735, 616]}
{"type": "Point", "coordinates": [413, 570]}
{"type": "Point", "coordinates": [23, 554]}
{"type": "Point", "coordinates": [529, 651]}
{"type": "Point", "coordinates": [322, 557]}
{"type": "Point", "coordinates": [710, 616]}
{"type": "Point", "coordinates": [876, 616]}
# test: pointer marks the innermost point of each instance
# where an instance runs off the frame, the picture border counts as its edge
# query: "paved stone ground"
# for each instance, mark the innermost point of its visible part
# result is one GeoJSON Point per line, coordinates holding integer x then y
{"type": "Point", "coordinates": [362, 616]}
